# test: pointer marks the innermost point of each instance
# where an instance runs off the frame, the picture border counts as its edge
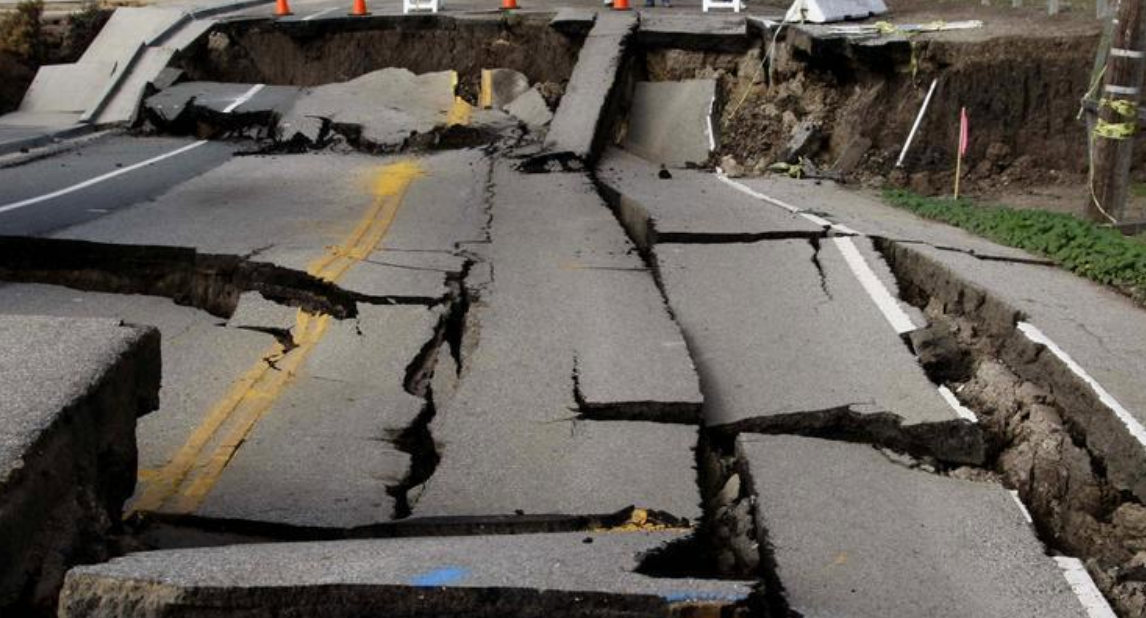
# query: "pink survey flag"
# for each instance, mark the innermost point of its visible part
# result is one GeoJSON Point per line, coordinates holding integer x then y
{"type": "Point", "coordinates": [963, 131]}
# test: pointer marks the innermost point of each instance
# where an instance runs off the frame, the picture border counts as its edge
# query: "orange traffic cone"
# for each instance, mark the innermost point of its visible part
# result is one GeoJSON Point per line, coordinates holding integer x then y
{"type": "Point", "coordinates": [359, 9]}
{"type": "Point", "coordinates": [282, 8]}
{"type": "Point", "coordinates": [621, 5]}
{"type": "Point", "coordinates": [508, 5]}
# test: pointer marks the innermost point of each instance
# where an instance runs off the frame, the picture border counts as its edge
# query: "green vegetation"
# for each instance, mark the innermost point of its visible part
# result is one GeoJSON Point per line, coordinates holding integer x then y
{"type": "Point", "coordinates": [1098, 253]}
{"type": "Point", "coordinates": [21, 31]}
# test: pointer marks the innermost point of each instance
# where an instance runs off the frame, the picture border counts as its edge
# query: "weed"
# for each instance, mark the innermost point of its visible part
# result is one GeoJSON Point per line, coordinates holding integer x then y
{"type": "Point", "coordinates": [1101, 254]}
{"type": "Point", "coordinates": [21, 31]}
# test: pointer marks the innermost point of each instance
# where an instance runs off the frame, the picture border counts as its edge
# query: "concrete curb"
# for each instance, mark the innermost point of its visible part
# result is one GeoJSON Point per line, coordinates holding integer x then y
{"type": "Point", "coordinates": [47, 138]}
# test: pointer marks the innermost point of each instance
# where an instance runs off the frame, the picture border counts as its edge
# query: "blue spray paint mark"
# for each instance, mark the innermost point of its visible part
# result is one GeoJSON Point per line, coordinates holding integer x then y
{"type": "Point", "coordinates": [440, 577]}
{"type": "Point", "coordinates": [680, 596]}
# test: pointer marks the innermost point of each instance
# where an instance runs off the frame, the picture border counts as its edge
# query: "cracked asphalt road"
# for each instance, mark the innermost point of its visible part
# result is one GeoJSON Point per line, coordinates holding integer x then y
{"type": "Point", "coordinates": [636, 376]}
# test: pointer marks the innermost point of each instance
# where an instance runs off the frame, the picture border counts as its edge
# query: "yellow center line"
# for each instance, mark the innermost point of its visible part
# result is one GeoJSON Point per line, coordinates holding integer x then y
{"type": "Point", "coordinates": [184, 482]}
{"type": "Point", "coordinates": [461, 111]}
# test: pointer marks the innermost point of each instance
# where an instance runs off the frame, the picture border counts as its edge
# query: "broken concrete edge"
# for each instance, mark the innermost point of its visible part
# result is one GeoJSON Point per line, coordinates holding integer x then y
{"type": "Point", "coordinates": [1106, 436]}
{"type": "Point", "coordinates": [955, 442]}
{"type": "Point", "coordinates": [211, 282]}
{"type": "Point", "coordinates": [579, 150]}
{"type": "Point", "coordinates": [62, 503]}
{"type": "Point", "coordinates": [48, 138]}
{"type": "Point", "coordinates": [92, 595]}
{"type": "Point", "coordinates": [674, 412]}
{"type": "Point", "coordinates": [247, 531]}
{"type": "Point", "coordinates": [1087, 503]}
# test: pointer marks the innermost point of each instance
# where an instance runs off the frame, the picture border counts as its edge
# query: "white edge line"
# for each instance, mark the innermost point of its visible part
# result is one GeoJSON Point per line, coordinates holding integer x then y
{"type": "Point", "coordinates": [709, 129]}
{"type": "Point", "coordinates": [760, 196]}
{"type": "Point", "coordinates": [1136, 429]}
{"type": "Point", "coordinates": [959, 408]}
{"type": "Point", "coordinates": [1083, 586]}
{"type": "Point", "coordinates": [322, 12]}
{"type": "Point", "coordinates": [878, 292]}
{"type": "Point", "coordinates": [246, 96]}
{"type": "Point", "coordinates": [1022, 507]}
{"type": "Point", "coordinates": [98, 179]}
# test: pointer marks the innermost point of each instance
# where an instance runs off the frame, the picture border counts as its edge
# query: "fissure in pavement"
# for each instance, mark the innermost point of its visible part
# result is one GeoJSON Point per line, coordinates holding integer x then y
{"type": "Point", "coordinates": [1041, 423]}
{"type": "Point", "coordinates": [211, 282]}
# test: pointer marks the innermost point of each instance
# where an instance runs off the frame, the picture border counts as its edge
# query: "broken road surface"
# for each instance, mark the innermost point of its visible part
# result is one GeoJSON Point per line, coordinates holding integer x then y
{"type": "Point", "coordinates": [422, 357]}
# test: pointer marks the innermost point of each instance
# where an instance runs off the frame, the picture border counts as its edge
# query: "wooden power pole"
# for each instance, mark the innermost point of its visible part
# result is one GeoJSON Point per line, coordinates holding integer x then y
{"type": "Point", "coordinates": [1114, 132]}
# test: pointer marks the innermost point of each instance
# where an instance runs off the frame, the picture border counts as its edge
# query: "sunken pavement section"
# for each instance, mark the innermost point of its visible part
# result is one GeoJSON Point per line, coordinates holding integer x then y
{"type": "Point", "coordinates": [510, 360]}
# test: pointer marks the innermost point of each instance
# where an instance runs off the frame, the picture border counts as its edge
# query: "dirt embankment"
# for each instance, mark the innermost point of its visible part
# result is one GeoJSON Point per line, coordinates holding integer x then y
{"type": "Point", "coordinates": [1020, 80]}
{"type": "Point", "coordinates": [312, 53]}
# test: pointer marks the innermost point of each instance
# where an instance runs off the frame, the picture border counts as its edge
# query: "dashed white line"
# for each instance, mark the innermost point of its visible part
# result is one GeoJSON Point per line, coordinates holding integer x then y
{"type": "Point", "coordinates": [246, 96]}
{"type": "Point", "coordinates": [875, 288]}
{"type": "Point", "coordinates": [98, 179]}
{"type": "Point", "coordinates": [960, 409]}
{"type": "Point", "coordinates": [1136, 429]}
{"type": "Point", "coordinates": [1083, 586]}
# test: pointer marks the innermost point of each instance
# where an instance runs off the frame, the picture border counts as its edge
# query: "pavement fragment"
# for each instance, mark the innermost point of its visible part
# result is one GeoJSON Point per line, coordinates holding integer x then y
{"type": "Point", "coordinates": [671, 122]}
{"type": "Point", "coordinates": [73, 389]}
{"type": "Point", "coordinates": [567, 574]}
{"type": "Point", "coordinates": [854, 533]}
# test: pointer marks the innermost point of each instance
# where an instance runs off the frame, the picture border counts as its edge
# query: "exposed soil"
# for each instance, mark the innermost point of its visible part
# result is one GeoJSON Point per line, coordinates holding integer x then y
{"type": "Point", "coordinates": [313, 53]}
{"type": "Point", "coordinates": [1046, 434]}
{"type": "Point", "coordinates": [1021, 78]}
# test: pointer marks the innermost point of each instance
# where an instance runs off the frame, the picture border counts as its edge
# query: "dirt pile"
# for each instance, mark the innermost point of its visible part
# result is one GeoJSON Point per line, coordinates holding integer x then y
{"type": "Point", "coordinates": [314, 53]}
{"type": "Point", "coordinates": [854, 105]}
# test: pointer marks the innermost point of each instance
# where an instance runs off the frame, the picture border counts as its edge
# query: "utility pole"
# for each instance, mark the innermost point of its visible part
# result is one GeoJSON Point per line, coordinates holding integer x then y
{"type": "Point", "coordinates": [1113, 134]}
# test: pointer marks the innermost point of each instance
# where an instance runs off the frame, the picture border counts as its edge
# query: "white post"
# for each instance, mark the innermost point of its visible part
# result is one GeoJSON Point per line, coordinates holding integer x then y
{"type": "Point", "coordinates": [918, 119]}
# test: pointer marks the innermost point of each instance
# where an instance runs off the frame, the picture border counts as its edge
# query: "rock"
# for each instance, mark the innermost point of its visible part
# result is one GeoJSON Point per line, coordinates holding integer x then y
{"type": "Point", "coordinates": [805, 141]}
{"type": "Point", "coordinates": [998, 153]}
{"type": "Point", "coordinates": [531, 109]}
{"type": "Point", "coordinates": [500, 87]}
{"type": "Point", "coordinates": [731, 490]}
{"type": "Point", "coordinates": [731, 168]}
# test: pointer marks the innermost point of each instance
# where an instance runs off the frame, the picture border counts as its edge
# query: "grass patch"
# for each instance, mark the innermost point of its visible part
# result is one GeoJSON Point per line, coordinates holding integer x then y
{"type": "Point", "coordinates": [1098, 253]}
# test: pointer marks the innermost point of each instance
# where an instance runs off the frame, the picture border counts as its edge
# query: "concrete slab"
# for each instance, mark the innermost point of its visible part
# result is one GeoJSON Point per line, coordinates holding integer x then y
{"type": "Point", "coordinates": [531, 109]}
{"type": "Point", "coordinates": [853, 533]}
{"type": "Point", "coordinates": [323, 455]}
{"type": "Point", "coordinates": [499, 87]}
{"type": "Point", "coordinates": [521, 575]}
{"type": "Point", "coordinates": [509, 437]}
{"type": "Point", "coordinates": [254, 311]}
{"type": "Point", "coordinates": [670, 123]}
{"type": "Point", "coordinates": [689, 204]}
{"type": "Point", "coordinates": [632, 362]}
{"type": "Point", "coordinates": [218, 97]}
{"type": "Point", "coordinates": [389, 105]}
{"type": "Point", "coordinates": [578, 118]}
{"type": "Point", "coordinates": [66, 88]}
{"type": "Point", "coordinates": [72, 392]}
{"type": "Point", "coordinates": [797, 354]}
{"type": "Point", "coordinates": [127, 28]}
{"type": "Point", "coordinates": [122, 103]}
{"type": "Point", "coordinates": [201, 359]}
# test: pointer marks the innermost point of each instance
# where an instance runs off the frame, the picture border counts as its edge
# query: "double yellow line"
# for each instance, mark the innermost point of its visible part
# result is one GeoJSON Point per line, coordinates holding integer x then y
{"type": "Point", "coordinates": [183, 483]}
